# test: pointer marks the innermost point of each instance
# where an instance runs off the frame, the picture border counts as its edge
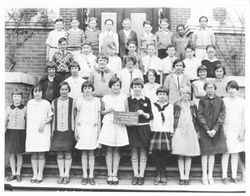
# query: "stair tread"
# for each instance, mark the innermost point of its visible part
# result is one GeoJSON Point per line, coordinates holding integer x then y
{"type": "Point", "coordinates": [49, 183]}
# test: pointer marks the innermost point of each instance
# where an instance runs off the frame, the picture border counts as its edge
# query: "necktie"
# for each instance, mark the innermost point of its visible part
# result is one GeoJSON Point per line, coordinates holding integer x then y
{"type": "Point", "coordinates": [102, 76]}
{"type": "Point", "coordinates": [178, 81]}
{"type": "Point", "coordinates": [131, 75]}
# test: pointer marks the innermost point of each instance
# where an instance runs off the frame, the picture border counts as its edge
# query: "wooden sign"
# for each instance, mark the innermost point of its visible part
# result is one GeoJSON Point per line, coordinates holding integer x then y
{"type": "Point", "coordinates": [127, 118]}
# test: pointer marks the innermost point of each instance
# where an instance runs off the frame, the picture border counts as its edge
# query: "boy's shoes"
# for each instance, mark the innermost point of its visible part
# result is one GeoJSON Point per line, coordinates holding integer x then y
{"type": "Point", "coordinates": [10, 178]}
{"type": "Point", "coordinates": [60, 180]}
{"type": "Point", "coordinates": [19, 178]}
{"type": "Point", "coordinates": [135, 181]}
{"type": "Point", "coordinates": [115, 180]}
{"type": "Point", "coordinates": [92, 181]}
{"type": "Point", "coordinates": [140, 180]}
{"type": "Point", "coordinates": [66, 180]}
{"type": "Point", "coordinates": [224, 180]}
{"type": "Point", "coordinates": [84, 181]}
{"type": "Point", "coordinates": [157, 180]}
{"type": "Point", "coordinates": [181, 182]}
{"type": "Point", "coordinates": [109, 180]}
{"type": "Point", "coordinates": [163, 180]}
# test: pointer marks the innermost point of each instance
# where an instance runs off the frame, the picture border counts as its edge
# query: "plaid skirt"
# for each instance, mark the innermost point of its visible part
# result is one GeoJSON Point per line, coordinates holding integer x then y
{"type": "Point", "coordinates": [159, 141]}
{"type": "Point", "coordinates": [62, 141]}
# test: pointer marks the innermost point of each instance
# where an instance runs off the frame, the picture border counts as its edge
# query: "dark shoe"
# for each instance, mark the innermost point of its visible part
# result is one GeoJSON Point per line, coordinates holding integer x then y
{"type": "Point", "coordinates": [19, 178]}
{"type": "Point", "coordinates": [181, 182]}
{"type": "Point", "coordinates": [115, 180]}
{"type": "Point", "coordinates": [10, 178]}
{"type": "Point", "coordinates": [84, 181]}
{"type": "Point", "coordinates": [60, 180]}
{"type": "Point", "coordinates": [187, 182]}
{"type": "Point", "coordinates": [33, 180]}
{"type": "Point", "coordinates": [109, 180]}
{"type": "Point", "coordinates": [140, 181]}
{"type": "Point", "coordinates": [157, 180]}
{"type": "Point", "coordinates": [163, 180]}
{"type": "Point", "coordinates": [234, 180]}
{"type": "Point", "coordinates": [66, 180]}
{"type": "Point", "coordinates": [224, 180]}
{"type": "Point", "coordinates": [135, 181]}
{"type": "Point", "coordinates": [39, 181]}
{"type": "Point", "coordinates": [92, 181]}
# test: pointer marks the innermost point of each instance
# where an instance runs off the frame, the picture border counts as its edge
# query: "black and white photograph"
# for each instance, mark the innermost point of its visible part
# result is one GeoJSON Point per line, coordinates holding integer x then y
{"type": "Point", "coordinates": [125, 96]}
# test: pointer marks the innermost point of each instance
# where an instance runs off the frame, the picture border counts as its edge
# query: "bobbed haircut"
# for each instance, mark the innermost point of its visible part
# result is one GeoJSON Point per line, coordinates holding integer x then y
{"type": "Point", "coordinates": [36, 88]}
{"type": "Point", "coordinates": [178, 61]}
{"type": "Point", "coordinates": [218, 66]}
{"type": "Point", "coordinates": [162, 89]}
{"type": "Point", "coordinates": [189, 47]}
{"type": "Point", "coordinates": [62, 39]}
{"type": "Point", "coordinates": [131, 42]}
{"type": "Point", "coordinates": [51, 64]}
{"type": "Point", "coordinates": [203, 17]}
{"type": "Point", "coordinates": [16, 91]}
{"type": "Point", "coordinates": [208, 83]}
{"type": "Point", "coordinates": [137, 81]}
{"type": "Point", "coordinates": [59, 19]}
{"type": "Point", "coordinates": [152, 71]}
{"type": "Point", "coordinates": [127, 58]}
{"type": "Point", "coordinates": [74, 64]}
{"type": "Point", "coordinates": [170, 46]}
{"type": "Point", "coordinates": [114, 80]}
{"type": "Point", "coordinates": [63, 83]}
{"type": "Point", "coordinates": [109, 20]}
{"type": "Point", "coordinates": [210, 46]}
{"type": "Point", "coordinates": [146, 22]}
{"type": "Point", "coordinates": [202, 67]}
{"type": "Point", "coordinates": [232, 84]}
{"type": "Point", "coordinates": [102, 56]}
{"type": "Point", "coordinates": [87, 84]}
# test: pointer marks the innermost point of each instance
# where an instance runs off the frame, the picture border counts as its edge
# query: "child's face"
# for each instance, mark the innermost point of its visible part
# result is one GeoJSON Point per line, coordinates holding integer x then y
{"type": "Point", "coordinates": [137, 89]}
{"type": "Point", "coordinates": [181, 30]}
{"type": "Point", "coordinates": [37, 94]}
{"type": "Point", "coordinates": [162, 96]}
{"type": "Point", "coordinates": [64, 90]}
{"type": "Point", "coordinates": [87, 91]}
{"type": "Point", "coordinates": [86, 49]}
{"type": "Point", "coordinates": [109, 25]}
{"type": "Point", "coordinates": [231, 91]}
{"type": "Point", "coordinates": [189, 53]}
{"type": "Point", "coordinates": [62, 45]}
{"type": "Point", "coordinates": [51, 71]}
{"type": "Point", "coordinates": [179, 67]}
{"type": "Point", "coordinates": [132, 48]}
{"type": "Point", "coordinates": [102, 63]}
{"type": "Point", "coordinates": [147, 28]}
{"type": "Point", "coordinates": [59, 25]}
{"type": "Point", "coordinates": [210, 89]}
{"type": "Point", "coordinates": [203, 22]}
{"type": "Point", "coordinates": [210, 52]}
{"type": "Point", "coordinates": [74, 71]}
{"type": "Point", "coordinates": [111, 51]}
{"type": "Point", "coordinates": [116, 87]}
{"type": "Point", "coordinates": [92, 24]}
{"type": "Point", "coordinates": [74, 24]}
{"type": "Point", "coordinates": [126, 24]}
{"type": "Point", "coordinates": [151, 50]}
{"type": "Point", "coordinates": [171, 51]}
{"type": "Point", "coordinates": [151, 77]}
{"type": "Point", "coordinates": [17, 99]}
{"type": "Point", "coordinates": [164, 25]}
{"type": "Point", "coordinates": [219, 73]}
{"type": "Point", "coordinates": [129, 64]}
{"type": "Point", "coordinates": [185, 95]}
{"type": "Point", "coordinates": [202, 74]}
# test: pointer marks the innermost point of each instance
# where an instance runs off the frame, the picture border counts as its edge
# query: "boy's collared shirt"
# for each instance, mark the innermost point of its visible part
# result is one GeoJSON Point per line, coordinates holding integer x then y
{"type": "Point", "coordinates": [203, 37]}
{"type": "Point", "coordinates": [164, 38]}
{"type": "Point", "coordinates": [152, 63]}
{"type": "Point", "coordinates": [54, 36]}
{"type": "Point", "coordinates": [167, 64]}
{"type": "Point", "coordinates": [63, 59]}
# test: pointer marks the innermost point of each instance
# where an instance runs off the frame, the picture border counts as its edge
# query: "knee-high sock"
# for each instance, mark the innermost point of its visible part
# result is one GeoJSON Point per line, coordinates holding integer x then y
{"type": "Point", "coordinates": [181, 167]}
{"type": "Point", "coordinates": [41, 164]}
{"type": "Point", "coordinates": [188, 161]}
{"type": "Point", "coordinates": [84, 164]}
{"type": "Point", "coordinates": [91, 163]}
{"type": "Point", "coordinates": [13, 163]}
{"type": "Point", "coordinates": [143, 161]}
{"type": "Point", "coordinates": [224, 164]}
{"type": "Point", "coordinates": [204, 159]}
{"type": "Point", "coordinates": [68, 162]}
{"type": "Point", "coordinates": [116, 161]}
{"type": "Point", "coordinates": [134, 161]}
{"type": "Point", "coordinates": [109, 160]}
{"type": "Point", "coordinates": [234, 164]}
{"type": "Point", "coordinates": [60, 162]}
{"type": "Point", "coordinates": [210, 166]}
{"type": "Point", "coordinates": [34, 163]}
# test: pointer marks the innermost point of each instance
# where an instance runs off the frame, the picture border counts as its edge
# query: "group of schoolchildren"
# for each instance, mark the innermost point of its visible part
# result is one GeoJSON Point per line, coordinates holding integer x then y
{"type": "Point", "coordinates": [155, 76]}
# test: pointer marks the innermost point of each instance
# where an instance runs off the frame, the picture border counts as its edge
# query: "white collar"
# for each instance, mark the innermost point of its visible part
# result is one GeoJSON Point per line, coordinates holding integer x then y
{"type": "Point", "coordinates": [138, 98]}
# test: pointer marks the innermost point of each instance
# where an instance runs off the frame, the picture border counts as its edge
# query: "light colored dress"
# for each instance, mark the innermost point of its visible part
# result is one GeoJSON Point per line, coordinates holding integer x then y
{"type": "Point", "coordinates": [88, 123]}
{"type": "Point", "coordinates": [38, 111]}
{"type": "Point", "coordinates": [233, 124]}
{"type": "Point", "coordinates": [113, 134]}
{"type": "Point", "coordinates": [185, 140]}
{"type": "Point", "coordinates": [199, 84]}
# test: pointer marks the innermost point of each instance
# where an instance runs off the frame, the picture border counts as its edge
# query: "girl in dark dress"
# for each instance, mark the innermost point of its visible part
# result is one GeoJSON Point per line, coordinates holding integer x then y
{"type": "Point", "coordinates": [211, 114]}
{"type": "Point", "coordinates": [15, 134]}
{"type": "Point", "coordinates": [139, 135]}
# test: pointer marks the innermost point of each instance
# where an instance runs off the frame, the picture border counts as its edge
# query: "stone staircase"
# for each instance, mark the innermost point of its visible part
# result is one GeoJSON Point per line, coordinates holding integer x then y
{"type": "Point", "coordinates": [125, 175]}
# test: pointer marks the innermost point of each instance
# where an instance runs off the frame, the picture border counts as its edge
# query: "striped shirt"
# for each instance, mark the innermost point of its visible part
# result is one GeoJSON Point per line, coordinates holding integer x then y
{"type": "Point", "coordinates": [75, 38]}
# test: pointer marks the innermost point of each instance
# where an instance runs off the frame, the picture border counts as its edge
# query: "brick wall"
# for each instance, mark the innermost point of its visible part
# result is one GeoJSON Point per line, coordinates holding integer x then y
{"type": "Point", "coordinates": [67, 14]}
{"type": "Point", "coordinates": [178, 16]}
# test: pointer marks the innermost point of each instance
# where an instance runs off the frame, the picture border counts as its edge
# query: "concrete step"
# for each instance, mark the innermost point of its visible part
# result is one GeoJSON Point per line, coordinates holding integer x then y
{"type": "Point", "coordinates": [49, 184]}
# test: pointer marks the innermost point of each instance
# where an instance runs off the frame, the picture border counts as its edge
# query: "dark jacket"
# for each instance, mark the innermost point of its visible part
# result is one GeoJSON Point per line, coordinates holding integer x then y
{"type": "Point", "coordinates": [123, 41]}
{"type": "Point", "coordinates": [44, 84]}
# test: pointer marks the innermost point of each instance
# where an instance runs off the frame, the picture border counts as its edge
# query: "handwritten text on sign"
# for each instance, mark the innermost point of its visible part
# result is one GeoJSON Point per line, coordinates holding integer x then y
{"type": "Point", "coordinates": [130, 118]}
